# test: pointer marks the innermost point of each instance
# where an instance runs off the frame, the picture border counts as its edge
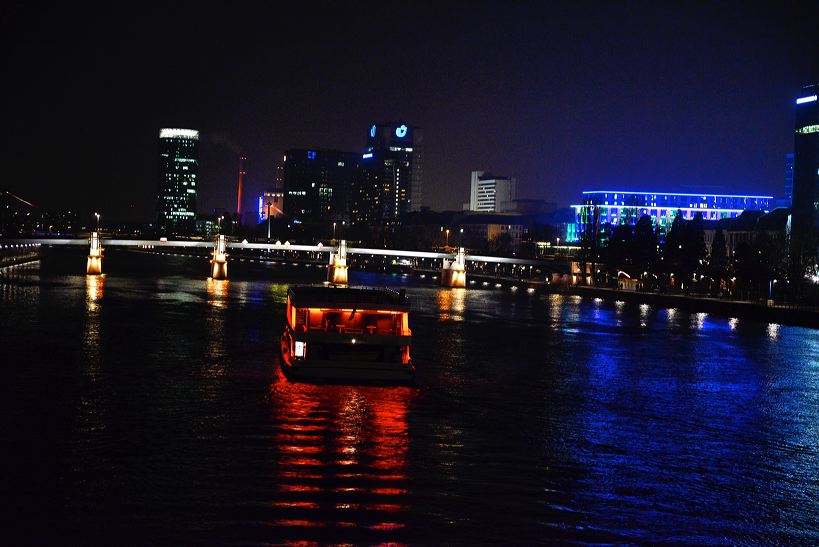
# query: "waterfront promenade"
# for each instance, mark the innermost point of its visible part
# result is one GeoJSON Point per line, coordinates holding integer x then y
{"type": "Point", "coordinates": [760, 311]}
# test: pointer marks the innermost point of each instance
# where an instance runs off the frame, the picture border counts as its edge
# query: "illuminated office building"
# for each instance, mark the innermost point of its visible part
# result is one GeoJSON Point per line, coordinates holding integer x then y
{"type": "Point", "coordinates": [317, 184]}
{"type": "Point", "coordinates": [806, 166]}
{"type": "Point", "coordinates": [389, 181]}
{"type": "Point", "coordinates": [626, 207]}
{"type": "Point", "coordinates": [490, 193]}
{"type": "Point", "coordinates": [176, 189]}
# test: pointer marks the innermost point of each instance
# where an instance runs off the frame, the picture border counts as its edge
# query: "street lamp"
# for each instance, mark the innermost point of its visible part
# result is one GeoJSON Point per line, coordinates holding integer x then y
{"type": "Point", "coordinates": [334, 231]}
{"type": "Point", "coordinates": [447, 237]}
{"type": "Point", "coordinates": [770, 288]}
{"type": "Point", "coordinates": [98, 221]}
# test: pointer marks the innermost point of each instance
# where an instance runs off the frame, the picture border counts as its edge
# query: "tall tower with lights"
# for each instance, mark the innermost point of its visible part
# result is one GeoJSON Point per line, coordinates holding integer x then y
{"type": "Point", "coordinates": [805, 219]}
{"type": "Point", "coordinates": [389, 182]}
{"type": "Point", "coordinates": [176, 188]}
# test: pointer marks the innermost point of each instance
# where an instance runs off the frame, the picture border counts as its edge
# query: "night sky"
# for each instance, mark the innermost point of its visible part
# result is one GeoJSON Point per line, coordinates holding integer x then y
{"type": "Point", "coordinates": [565, 97]}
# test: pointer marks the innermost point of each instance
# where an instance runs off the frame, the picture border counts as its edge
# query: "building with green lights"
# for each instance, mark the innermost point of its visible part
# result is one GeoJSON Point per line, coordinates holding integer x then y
{"type": "Point", "coordinates": [805, 219]}
{"type": "Point", "coordinates": [176, 188]}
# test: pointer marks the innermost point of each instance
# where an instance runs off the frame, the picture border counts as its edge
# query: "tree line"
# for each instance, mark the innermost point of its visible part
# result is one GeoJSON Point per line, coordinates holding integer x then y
{"type": "Point", "coordinates": [636, 255]}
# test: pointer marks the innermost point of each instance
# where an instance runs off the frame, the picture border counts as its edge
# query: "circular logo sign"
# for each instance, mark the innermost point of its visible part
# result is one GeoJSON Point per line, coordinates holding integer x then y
{"type": "Point", "coordinates": [401, 131]}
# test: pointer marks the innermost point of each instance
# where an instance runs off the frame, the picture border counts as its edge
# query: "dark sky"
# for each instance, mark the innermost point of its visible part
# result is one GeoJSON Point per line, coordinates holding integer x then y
{"type": "Point", "coordinates": [568, 96]}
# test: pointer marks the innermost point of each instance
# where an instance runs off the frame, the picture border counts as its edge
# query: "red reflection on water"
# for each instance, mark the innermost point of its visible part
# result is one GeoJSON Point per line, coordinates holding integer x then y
{"type": "Point", "coordinates": [299, 475]}
{"type": "Point", "coordinates": [387, 507]}
{"type": "Point", "coordinates": [300, 461]}
{"type": "Point", "coordinates": [302, 504]}
{"type": "Point", "coordinates": [340, 450]}
{"type": "Point", "coordinates": [298, 488]}
{"type": "Point", "coordinates": [387, 526]}
{"type": "Point", "coordinates": [299, 522]}
{"type": "Point", "coordinates": [388, 491]}
{"type": "Point", "coordinates": [301, 449]}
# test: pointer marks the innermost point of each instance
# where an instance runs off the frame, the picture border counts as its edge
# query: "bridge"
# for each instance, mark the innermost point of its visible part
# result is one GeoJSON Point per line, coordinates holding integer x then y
{"type": "Point", "coordinates": [453, 265]}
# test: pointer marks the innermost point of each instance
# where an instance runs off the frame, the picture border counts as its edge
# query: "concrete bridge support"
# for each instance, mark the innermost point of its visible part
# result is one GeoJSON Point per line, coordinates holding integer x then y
{"type": "Point", "coordinates": [218, 268]}
{"type": "Point", "coordinates": [94, 264]}
{"type": "Point", "coordinates": [453, 272]}
{"type": "Point", "coordinates": [337, 269]}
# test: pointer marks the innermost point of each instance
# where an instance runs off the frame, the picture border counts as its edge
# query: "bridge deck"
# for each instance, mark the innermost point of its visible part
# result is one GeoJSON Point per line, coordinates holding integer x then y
{"type": "Point", "coordinates": [398, 253]}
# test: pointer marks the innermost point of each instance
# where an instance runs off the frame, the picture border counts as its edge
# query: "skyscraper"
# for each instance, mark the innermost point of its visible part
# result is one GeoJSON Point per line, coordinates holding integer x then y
{"type": "Point", "coordinates": [176, 189]}
{"type": "Point", "coordinates": [390, 180]}
{"type": "Point", "coordinates": [491, 194]}
{"type": "Point", "coordinates": [805, 219]}
{"type": "Point", "coordinates": [317, 184]}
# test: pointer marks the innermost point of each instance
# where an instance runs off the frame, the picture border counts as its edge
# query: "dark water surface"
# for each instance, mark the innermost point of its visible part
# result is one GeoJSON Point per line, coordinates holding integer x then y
{"type": "Point", "coordinates": [142, 409]}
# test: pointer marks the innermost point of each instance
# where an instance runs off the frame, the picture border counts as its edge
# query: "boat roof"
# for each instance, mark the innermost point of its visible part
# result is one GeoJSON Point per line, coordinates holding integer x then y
{"type": "Point", "coordinates": [345, 297]}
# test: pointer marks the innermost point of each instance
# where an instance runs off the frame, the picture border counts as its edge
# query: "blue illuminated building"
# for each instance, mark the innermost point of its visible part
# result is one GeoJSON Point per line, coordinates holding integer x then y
{"type": "Point", "coordinates": [626, 207]}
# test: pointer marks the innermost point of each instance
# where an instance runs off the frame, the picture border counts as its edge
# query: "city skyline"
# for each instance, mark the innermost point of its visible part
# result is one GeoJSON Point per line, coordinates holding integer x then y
{"type": "Point", "coordinates": [631, 97]}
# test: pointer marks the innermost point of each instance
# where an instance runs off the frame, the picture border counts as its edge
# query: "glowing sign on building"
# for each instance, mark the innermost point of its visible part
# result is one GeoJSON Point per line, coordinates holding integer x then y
{"type": "Point", "coordinates": [372, 131]}
{"type": "Point", "coordinates": [401, 131]}
{"type": "Point", "coordinates": [803, 100]}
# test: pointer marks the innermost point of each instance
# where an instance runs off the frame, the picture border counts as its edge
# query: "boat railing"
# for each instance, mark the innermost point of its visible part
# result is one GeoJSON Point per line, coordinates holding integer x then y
{"type": "Point", "coordinates": [344, 329]}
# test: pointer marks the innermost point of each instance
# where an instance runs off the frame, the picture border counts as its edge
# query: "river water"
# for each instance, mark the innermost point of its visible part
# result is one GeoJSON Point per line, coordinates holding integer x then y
{"type": "Point", "coordinates": [146, 407]}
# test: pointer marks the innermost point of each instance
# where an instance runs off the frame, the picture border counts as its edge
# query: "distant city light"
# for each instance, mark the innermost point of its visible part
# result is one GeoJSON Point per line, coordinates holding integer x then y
{"type": "Point", "coordinates": [178, 133]}
{"type": "Point", "coordinates": [803, 100]}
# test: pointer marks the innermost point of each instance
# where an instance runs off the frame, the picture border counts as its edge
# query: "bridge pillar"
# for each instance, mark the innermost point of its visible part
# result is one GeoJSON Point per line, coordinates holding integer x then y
{"type": "Point", "coordinates": [218, 269]}
{"type": "Point", "coordinates": [337, 269]}
{"type": "Point", "coordinates": [453, 272]}
{"type": "Point", "coordinates": [94, 264]}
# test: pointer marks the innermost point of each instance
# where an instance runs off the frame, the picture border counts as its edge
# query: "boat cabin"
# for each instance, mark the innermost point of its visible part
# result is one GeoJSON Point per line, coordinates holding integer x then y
{"type": "Point", "coordinates": [347, 332]}
{"type": "Point", "coordinates": [350, 311]}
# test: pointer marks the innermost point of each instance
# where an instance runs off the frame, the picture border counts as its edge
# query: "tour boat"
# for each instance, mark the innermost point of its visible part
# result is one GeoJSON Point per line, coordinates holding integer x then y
{"type": "Point", "coordinates": [345, 334]}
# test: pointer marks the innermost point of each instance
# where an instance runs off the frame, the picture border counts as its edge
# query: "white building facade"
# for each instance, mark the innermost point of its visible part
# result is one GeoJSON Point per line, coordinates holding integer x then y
{"type": "Point", "coordinates": [490, 193]}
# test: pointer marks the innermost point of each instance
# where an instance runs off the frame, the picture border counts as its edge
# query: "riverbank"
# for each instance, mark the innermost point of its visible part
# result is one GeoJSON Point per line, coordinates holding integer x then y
{"type": "Point", "coordinates": [19, 259]}
{"type": "Point", "coordinates": [786, 315]}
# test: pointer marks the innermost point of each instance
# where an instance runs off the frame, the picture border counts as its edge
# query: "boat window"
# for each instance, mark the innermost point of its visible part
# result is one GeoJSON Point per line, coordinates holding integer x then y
{"type": "Point", "coordinates": [332, 320]}
{"type": "Point", "coordinates": [386, 324]}
{"type": "Point", "coordinates": [315, 320]}
{"type": "Point", "coordinates": [301, 319]}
